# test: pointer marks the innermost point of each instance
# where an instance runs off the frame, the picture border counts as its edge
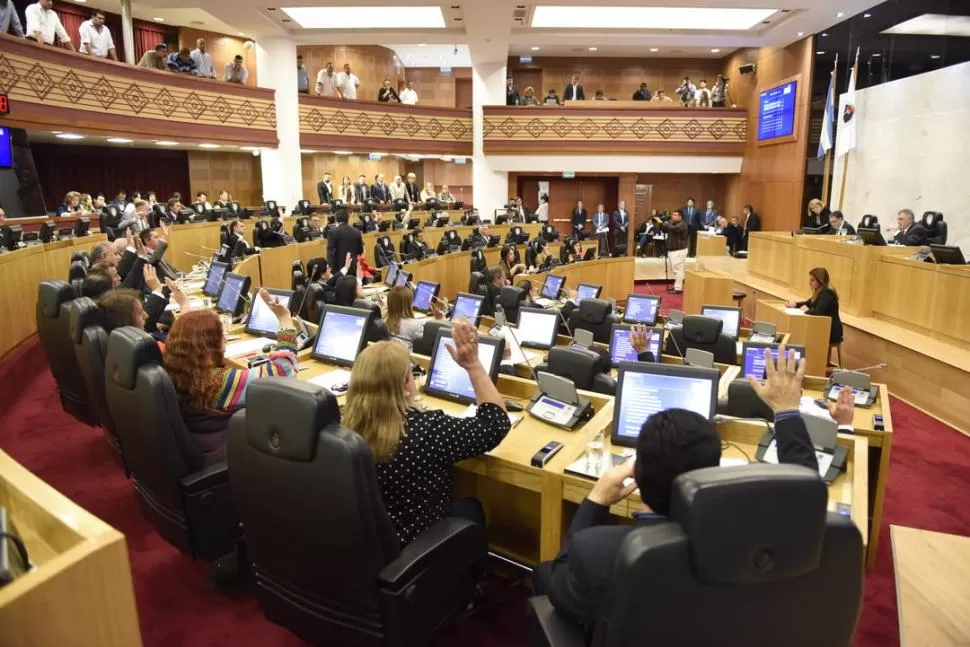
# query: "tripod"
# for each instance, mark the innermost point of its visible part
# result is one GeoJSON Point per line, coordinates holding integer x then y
{"type": "Point", "coordinates": [668, 269]}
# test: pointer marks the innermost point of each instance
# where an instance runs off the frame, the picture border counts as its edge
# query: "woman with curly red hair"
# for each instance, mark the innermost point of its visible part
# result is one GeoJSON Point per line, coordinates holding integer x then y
{"type": "Point", "coordinates": [210, 392]}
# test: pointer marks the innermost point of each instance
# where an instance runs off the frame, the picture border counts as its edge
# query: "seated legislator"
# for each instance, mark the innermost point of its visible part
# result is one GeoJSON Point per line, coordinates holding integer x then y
{"type": "Point", "coordinates": [838, 226]}
{"type": "Point", "coordinates": [671, 443]}
{"type": "Point", "coordinates": [151, 242]}
{"type": "Point", "coordinates": [510, 268]}
{"type": "Point", "coordinates": [817, 215]}
{"type": "Point", "coordinates": [824, 302]}
{"type": "Point", "coordinates": [909, 232]}
{"type": "Point", "coordinates": [346, 290]}
{"type": "Point", "coordinates": [415, 449]}
{"type": "Point", "coordinates": [417, 248]}
{"type": "Point", "coordinates": [316, 230]}
{"type": "Point", "coordinates": [494, 282]}
{"type": "Point", "coordinates": [528, 292]}
{"type": "Point", "coordinates": [445, 195]}
{"type": "Point", "coordinates": [237, 236]}
{"type": "Point", "coordinates": [96, 284]}
{"type": "Point", "coordinates": [71, 204]}
{"type": "Point", "coordinates": [209, 392]}
{"type": "Point", "coordinates": [400, 319]}
{"type": "Point", "coordinates": [321, 275]}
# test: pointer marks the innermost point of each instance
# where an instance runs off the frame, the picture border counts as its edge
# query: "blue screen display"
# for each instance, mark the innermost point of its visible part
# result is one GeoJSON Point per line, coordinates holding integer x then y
{"type": "Point", "coordinates": [552, 286]}
{"type": "Point", "coordinates": [644, 394]}
{"type": "Point", "coordinates": [776, 112]}
{"type": "Point", "coordinates": [214, 281]}
{"type": "Point", "coordinates": [423, 294]}
{"type": "Point", "coordinates": [447, 376]}
{"type": "Point", "coordinates": [261, 317]}
{"type": "Point", "coordinates": [6, 152]}
{"type": "Point", "coordinates": [642, 310]}
{"type": "Point", "coordinates": [339, 335]}
{"type": "Point", "coordinates": [231, 293]}
{"type": "Point", "coordinates": [754, 360]}
{"type": "Point", "coordinates": [585, 291]}
{"type": "Point", "coordinates": [392, 270]}
{"type": "Point", "coordinates": [730, 317]}
{"type": "Point", "coordinates": [467, 307]}
{"type": "Point", "coordinates": [621, 350]}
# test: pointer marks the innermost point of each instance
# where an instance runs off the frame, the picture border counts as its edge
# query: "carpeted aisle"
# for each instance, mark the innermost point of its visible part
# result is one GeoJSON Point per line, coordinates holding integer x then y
{"type": "Point", "coordinates": [929, 487]}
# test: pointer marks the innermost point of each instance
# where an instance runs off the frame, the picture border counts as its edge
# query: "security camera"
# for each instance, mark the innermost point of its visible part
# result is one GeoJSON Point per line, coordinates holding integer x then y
{"type": "Point", "coordinates": [748, 68]}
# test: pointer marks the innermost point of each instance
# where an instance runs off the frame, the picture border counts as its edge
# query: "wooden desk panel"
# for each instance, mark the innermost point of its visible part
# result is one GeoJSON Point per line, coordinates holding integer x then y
{"type": "Point", "coordinates": [711, 245]}
{"type": "Point", "coordinates": [803, 330]}
{"type": "Point", "coordinates": [770, 256]}
{"type": "Point", "coordinates": [706, 288]}
{"type": "Point", "coordinates": [933, 299]}
{"type": "Point", "coordinates": [187, 243]}
{"type": "Point", "coordinates": [433, 236]}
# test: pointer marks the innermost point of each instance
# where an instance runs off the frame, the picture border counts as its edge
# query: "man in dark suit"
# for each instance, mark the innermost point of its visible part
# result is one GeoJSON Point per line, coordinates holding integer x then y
{"type": "Point", "coordinates": [670, 443]}
{"type": "Point", "coordinates": [417, 248]}
{"type": "Point", "coordinates": [752, 222]}
{"type": "Point", "coordinates": [710, 216]}
{"type": "Point", "coordinates": [574, 91]}
{"type": "Point", "coordinates": [838, 226]}
{"type": "Point", "coordinates": [155, 245]}
{"type": "Point", "coordinates": [412, 189]}
{"type": "Point", "coordinates": [325, 189]}
{"type": "Point", "coordinates": [342, 240]}
{"type": "Point", "coordinates": [494, 282]}
{"type": "Point", "coordinates": [361, 189]}
{"type": "Point", "coordinates": [621, 221]}
{"type": "Point", "coordinates": [521, 211]}
{"type": "Point", "coordinates": [511, 93]}
{"type": "Point", "coordinates": [237, 239]}
{"type": "Point", "coordinates": [579, 220]}
{"type": "Point", "coordinates": [379, 190]}
{"type": "Point", "coordinates": [692, 216]}
{"type": "Point", "coordinates": [910, 232]}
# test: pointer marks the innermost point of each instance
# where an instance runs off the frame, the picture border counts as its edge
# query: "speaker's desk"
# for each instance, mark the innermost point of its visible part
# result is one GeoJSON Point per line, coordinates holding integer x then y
{"type": "Point", "coordinates": [711, 244]}
{"type": "Point", "coordinates": [803, 330]}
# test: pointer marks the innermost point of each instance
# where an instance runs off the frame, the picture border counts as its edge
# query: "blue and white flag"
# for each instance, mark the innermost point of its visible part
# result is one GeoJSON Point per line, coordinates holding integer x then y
{"type": "Point", "coordinates": [825, 142]}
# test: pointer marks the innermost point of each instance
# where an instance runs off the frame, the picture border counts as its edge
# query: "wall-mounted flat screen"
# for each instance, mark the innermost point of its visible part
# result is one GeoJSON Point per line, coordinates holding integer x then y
{"type": "Point", "coordinates": [776, 112]}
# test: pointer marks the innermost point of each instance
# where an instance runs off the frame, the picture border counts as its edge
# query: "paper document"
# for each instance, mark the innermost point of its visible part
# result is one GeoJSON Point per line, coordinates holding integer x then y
{"type": "Point", "coordinates": [807, 405]}
{"type": "Point", "coordinates": [247, 346]}
{"type": "Point", "coordinates": [517, 354]}
{"type": "Point", "coordinates": [793, 311]}
{"type": "Point", "coordinates": [824, 459]}
{"type": "Point", "coordinates": [331, 379]}
{"type": "Point", "coordinates": [471, 410]}
{"type": "Point", "coordinates": [727, 461]}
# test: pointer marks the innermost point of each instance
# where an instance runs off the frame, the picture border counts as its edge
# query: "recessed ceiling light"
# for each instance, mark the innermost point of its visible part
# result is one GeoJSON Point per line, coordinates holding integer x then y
{"type": "Point", "coordinates": [307, 151]}
{"type": "Point", "coordinates": [867, 15]}
{"type": "Point", "coordinates": [593, 49]}
{"type": "Point", "coordinates": [654, 49]}
{"type": "Point", "coordinates": [690, 18]}
{"type": "Point", "coordinates": [934, 56]}
{"type": "Point", "coordinates": [933, 24]}
{"type": "Point", "coordinates": [209, 146]}
{"type": "Point", "coordinates": [819, 52]}
{"type": "Point", "coordinates": [119, 140]}
{"type": "Point", "coordinates": [56, 132]}
{"type": "Point", "coordinates": [342, 153]}
{"type": "Point", "coordinates": [240, 33]}
{"type": "Point", "coordinates": [715, 50]}
{"type": "Point", "coordinates": [249, 148]}
{"type": "Point", "coordinates": [69, 136]}
{"type": "Point", "coordinates": [358, 17]}
{"type": "Point", "coordinates": [824, 34]}
{"type": "Point", "coordinates": [165, 142]}
{"type": "Point", "coordinates": [535, 49]}
{"type": "Point", "coordinates": [157, 19]}
{"type": "Point", "coordinates": [877, 54]}
{"type": "Point", "coordinates": [80, 1]}
{"type": "Point", "coordinates": [840, 14]}
{"type": "Point", "coordinates": [422, 44]}
{"type": "Point", "coordinates": [800, 34]}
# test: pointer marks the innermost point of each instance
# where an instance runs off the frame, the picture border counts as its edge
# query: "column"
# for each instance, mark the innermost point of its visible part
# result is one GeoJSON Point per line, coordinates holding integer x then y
{"type": "Point", "coordinates": [488, 88]}
{"type": "Point", "coordinates": [127, 32]}
{"type": "Point", "coordinates": [281, 167]}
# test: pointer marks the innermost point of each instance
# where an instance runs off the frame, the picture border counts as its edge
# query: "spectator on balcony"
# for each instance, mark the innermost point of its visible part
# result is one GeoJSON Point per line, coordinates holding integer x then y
{"type": "Point", "coordinates": [224, 198]}
{"type": "Point", "coordinates": [327, 82]}
{"type": "Point", "coordinates": [202, 60]}
{"type": "Point", "coordinates": [202, 199]}
{"type": "Point", "coordinates": [428, 193]}
{"type": "Point", "coordinates": [346, 191]}
{"type": "Point", "coordinates": [9, 20]}
{"type": "Point", "coordinates": [643, 94]}
{"type": "Point", "coordinates": [687, 92]}
{"type": "Point", "coordinates": [71, 204]}
{"type": "Point", "coordinates": [347, 84]}
{"type": "Point", "coordinates": [552, 99]}
{"type": "Point", "coordinates": [409, 96]}
{"type": "Point", "coordinates": [181, 61]}
{"type": "Point", "coordinates": [379, 190]}
{"type": "Point", "coordinates": [236, 72]}
{"type": "Point", "coordinates": [719, 93]}
{"type": "Point", "coordinates": [96, 38]}
{"type": "Point", "coordinates": [662, 97]}
{"type": "Point", "coordinates": [43, 24]}
{"type": "Point", "coordinates": [512, 93]}
{"type": "Point", "coordinates": [302, 76]}
{"type": "Point", "coordinates": [387, 93]}
{"type": "Point", "coordinates": [599, 96]}
{"type": "Point", "coordinates": [361, 189]}
{"type": "Point", "coordinates": [151, 199]}
{"type": "Point", "coordinates": [703, 96]}
{"type": "Point", "coordinates": [445, 195]}
{"type": "Point", "coordinates": [155, 58]}
{"type": "Point", "coordinates": [412, 188]}
{"type": "Point", "coordinates": [528, 97]}
{"type": "Point", "coordinates": [398, 189]}
{"type": "Point", "coordinates": [574, 91]}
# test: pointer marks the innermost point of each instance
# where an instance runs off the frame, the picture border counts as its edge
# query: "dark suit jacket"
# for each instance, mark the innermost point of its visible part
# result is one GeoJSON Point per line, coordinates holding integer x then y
{"type": "Point", "coordinates": [380, 192]}
{"type": "Point", "coordinates": [847, 230]}
{"type": "Point", "coordinates": [820, 220]}
{"type": "Point", "coordinates": [511, 95]}
{"type": "Point", "coordinates": [417, 250]}
{"type": "Point", "coordinates": [705, 222]}
{"type": "Point", "coordinates": [576, 581]}
{"type": "Point", "coordinates": [605, 220]}
{"type": "Point", "coordinates": [913, 237]}
{"type": "Point", "coordinates": [4, 236]}
{"type": "Point", "coordinates": [413, 191]}
{"type": "Point", "coordinates": [568, 93]}
{"type": "Point", "coordinates": [579, 218]}
{"type": "Point", "coordinates": [492, 293]}
{"type": "Point", "coordinates": [324, 193]}
{"type": "Point", "coordinates": [361, 192]}
{"type": "Point", "coordinates": [621, 222]}
{"type": "Point", "coordinates": [341, 240]}
{"type": "Point", "coordinates": [826, 304]}
{"type": "Point", "coordinates": [692, 216]}
{"type": "Point", "coordinates": [753, 223]}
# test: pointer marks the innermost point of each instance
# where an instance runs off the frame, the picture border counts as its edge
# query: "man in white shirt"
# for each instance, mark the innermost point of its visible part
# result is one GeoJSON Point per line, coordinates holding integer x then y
{"type": "Point", "coordinates": [203, 62]}
{"type": "Point", "coordinates": [347, 84]}
{"type": "Point", "coordinates": [327, 82]}
{"type": "Point", "coordinates": [409, 95]}
{"type": "Point", "coordinates": [96, 38]}
{"type": "Point", "coordinates": [43, 24]}
{"type": "Point", "coordinates": [236, 72]}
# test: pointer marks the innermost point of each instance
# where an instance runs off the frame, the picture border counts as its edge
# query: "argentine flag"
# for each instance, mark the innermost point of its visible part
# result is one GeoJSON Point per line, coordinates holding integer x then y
{"type": "Point", "coordinates": [825, 141]}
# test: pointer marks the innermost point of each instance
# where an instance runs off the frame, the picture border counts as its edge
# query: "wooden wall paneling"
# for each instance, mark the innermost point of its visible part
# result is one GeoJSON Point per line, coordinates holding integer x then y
{"type": "Point", "coordinates": [643, 206]}
{"type": "Point", "coordinates": [628, 194]}
{"type": "Point", "coordinates": [671, 190]}
{"type": "Point", "coordinates": [222, 49]}
{"type": "Point", "coordinates": [463, 94]}
{"type": "Point", "coordinates": [436, 88]}
{"type": "Point", "coordinates": [316, 164]}
{"type": "Point", "coordinates": [458, 177]}
{"type": "Point", "coordinates": [237, 173]}
{"type": "Point", "coordinates": [371, 63]}
{"type": "Point", "coordinates": [564, 194]}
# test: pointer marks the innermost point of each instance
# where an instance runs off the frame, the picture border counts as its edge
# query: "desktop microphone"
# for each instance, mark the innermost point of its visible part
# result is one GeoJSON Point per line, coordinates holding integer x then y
{"type": "Point", "coordinates": [870, 368]}
{"type": "Point", "coordinates": [209, 249]}
{"type": "Point", "coordinates": [532, 370]}
{"type": "Point", "coordinates": [683, 356]}
{"type": "Point", "coordinates": [204, 258]}
{"type": "Point", "coordinates": [564, 322]}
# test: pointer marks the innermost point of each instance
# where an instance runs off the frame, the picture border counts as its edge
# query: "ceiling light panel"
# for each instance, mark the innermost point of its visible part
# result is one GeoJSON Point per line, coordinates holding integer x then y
{"type": "Point", "coordinates": [933, 24]}
{"type": "Point", "coordinates": [687, 18]}
{"type": "Point", "coordinates": [363, 17]}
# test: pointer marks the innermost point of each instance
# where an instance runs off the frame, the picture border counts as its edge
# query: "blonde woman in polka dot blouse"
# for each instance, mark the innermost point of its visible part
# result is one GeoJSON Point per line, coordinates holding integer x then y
{"type": "Point", "coordinates": [414, 449]}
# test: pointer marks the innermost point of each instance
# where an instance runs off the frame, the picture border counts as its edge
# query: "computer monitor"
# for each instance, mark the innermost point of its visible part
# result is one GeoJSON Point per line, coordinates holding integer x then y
{"type": "Point", "coordinates": [643, 389]}
{"type": "Point", "coordinates": [231, 298]}
{"type": "Point", "coordinates": [15, 234]}
{"type": "Point", "coordinates": [47, 230]}
{"type": "Point", "coordinates": [753, 357]}
{"type": "Point", "coordinates": [402, 278]}
{"type": "Point", "coordinates": [81, 226]}
{"type": "Point", "coordinates": [262, 322]}
{"type": "Point", "coordinates": [948, 255]}
{"type": "Point", "coordinates": [730, 316]}
{"type": "Point", "coordinates": [589, 254]}
{"type": "Point", "coordinates": [641, 309]}
{"type": "Point", "coordinates": [871, 236]}
{"type": "Point", "coordinates": [446, 379]}
{"type": "Point", "coordinates": [552, 286]}
{"type": "Point", "coordinates": [213, 280]}
{"type": "Point", "coordinates": [537, 327]}
{"type": "Point", "coordinates": [467, 306]}
{"type": "Point", "coordinates": [342, 335]}
{"type": "Point", "coordinates": [392, 271]}
{"type": "Point", "coordinates": [621, 350]}
{"type": "Point", "coordinates": [588, 291]}
{"type": "Point", "coordinates": [424, 294]}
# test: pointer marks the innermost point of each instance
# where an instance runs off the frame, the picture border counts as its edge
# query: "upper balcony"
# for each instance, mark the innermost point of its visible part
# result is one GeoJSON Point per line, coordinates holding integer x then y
{"type": "Point", "coordinates": [366, 126]}
{"type": "Point", "coordinates": [626, 127]}
{"type": "Point", "coordinates": [51, 88]}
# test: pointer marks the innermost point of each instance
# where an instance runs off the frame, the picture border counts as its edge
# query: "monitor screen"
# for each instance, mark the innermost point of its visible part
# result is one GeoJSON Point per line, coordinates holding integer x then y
{"type": "Point", "coordinates": [213, 282]}
{"type": "Point", "coordinates": [587, 291]}
{"type": "Point", "coordinates": [644, 389]}
{"type": "Point", "coordinates": [392, 271]}
{"type": "Point", "coordinates": [776, 112]}
{"type": "Point", "coordinates": [641, 309]}
{"type": "Point", "coordinates": [447, 379]}
{"type": "Point", "coordinates": [730, 316]}
{"type": "Point", "coordinates": [402, 279]}
{"type": "Point", "coordinates": [753, 357]}
{"type": "Point", "coordinates": [552, 286]}
{"type": "Point", "coordinates": [467, 306]}
{"type": "Point", "coordinates": [621, 350]}
{"type": "Point", "coordinates": [423, 295]}
{"type": "Point", "coordinates": [537, 327]}
{"type": "Point", "coordinates": [6, 152]}
{"type": "Point", "coordinates": [261, 320]}
{"type": "Point", "coordinates": [341, 335]}
{"type": "Point", "coordinates": [233, 290]}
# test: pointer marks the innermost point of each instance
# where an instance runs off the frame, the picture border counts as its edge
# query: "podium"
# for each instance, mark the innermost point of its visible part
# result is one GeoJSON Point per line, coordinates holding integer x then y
{"type": "Point", "coordinates": [711, 244]}
{"type": "Point", "coordinates": [706, 288]}
{"type": "Point", "coordinates": [804, 330]}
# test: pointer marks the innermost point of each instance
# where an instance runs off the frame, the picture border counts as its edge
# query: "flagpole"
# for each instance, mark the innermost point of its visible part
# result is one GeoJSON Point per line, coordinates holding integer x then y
{"type": "Point", "coordinates": [845, 164]}
{"type": "Point", "coordinates": [827, 171]}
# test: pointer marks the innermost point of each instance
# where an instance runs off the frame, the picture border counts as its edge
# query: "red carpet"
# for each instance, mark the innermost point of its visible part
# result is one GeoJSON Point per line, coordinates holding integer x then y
{"type": "Point", "coordinates": [929, 487]}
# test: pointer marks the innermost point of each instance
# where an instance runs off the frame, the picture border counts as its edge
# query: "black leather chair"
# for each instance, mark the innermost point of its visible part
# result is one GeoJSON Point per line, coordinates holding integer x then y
{"type": "Point", "coordinates": [583, 367]}
{"type": "Point", "coordinates": [328, 565]}
{"type": "Point", "coordinates": [868, 221]}
{"type": "Point", "coordinates": [425, 345]}
{"type": "Point", "coordinates": [301, 230]}
{"type": "Point", "coordinates": [270, 208]}
{"type": "Point", "coordinates": [297, 279]}
{"type": "Point", "coordinates": [376, 328]}
{"type": "Point", "coordinates": [224, 232]}
{"type": "Point", "coordinates": [478, 261]}
{"type": "Point", "coordinates": [314, 302]}
{"type": "Point", "coordinates": [54, 329]}
{"type": "Point", "coordinates": [511, 298]}
{"type": "Point", "coordinates": [303, 208]}
{"type": "Point", "coordinates": [188, 502]}
{"type": "Point", "coordinates": [596, 316]}
{"type": "Point", "coordinates": [404, 244]}
{"type": "Point", "coordinates": [297, 303]}
{"type": "Point", "coordinates": [936, 230]}
{"type": "Point", "coordinates": [743, 402]}
{"type": "Point", "coordinates": [260, 228]}
{"type": "Point", "coordinates": [476, 284]}
{"type": "Point", "coordinates": [549, 233]}
{"type": "Point", "coordinates": [749, 549]}
{"type": "Point", "coordinates": [384, 251]}
{"type": "Point", "coordinates": [702, 333]}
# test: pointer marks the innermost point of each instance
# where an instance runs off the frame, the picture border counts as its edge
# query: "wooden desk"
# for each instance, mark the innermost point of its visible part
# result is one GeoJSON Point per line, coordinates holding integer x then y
{"type": "Point", "coordinates": [80, 592]}
{"type": "Point", "coordinates": [188, 242]}
{"type": "Point", "coordinates": [932, 587]}
{"type": "Point", "coordinates": [711, 245]}
{"type": "Point", "coordinates": [433, 236]}
{"type": "Point", "coordinates": [803, 330]}
{"type": "Point", "coordinates": [706, 288]}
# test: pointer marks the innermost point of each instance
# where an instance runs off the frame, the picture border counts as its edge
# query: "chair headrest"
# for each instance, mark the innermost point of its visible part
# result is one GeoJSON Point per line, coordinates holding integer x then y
{"type": "Point", "coordinates": [580, 366]}
{"type": "Point", "coordinates": [510, 296]}
{"type": "Point", "coordinates": [385, 241]}
{"type": "Point", "coordinates": [702, 330]}
{"type": "Point", "coordinates": [476, 278]}
{"type": "Point", "coordinates": [284, 417]}
{"type": "Point", "coordinates": [752, 524]}
{"type": "Point", "coordinates": [128, 350]}
{"type": "Point", "coordinates": [930, 218]}
{"type": "Point", "coordinates": [594, 311]}
{"type": "Point", "coordinates": [52, 294]}
{"type": "Point", "coordinates": [84, 313]}
{"type": "Point", "coordinates": [367, 304]}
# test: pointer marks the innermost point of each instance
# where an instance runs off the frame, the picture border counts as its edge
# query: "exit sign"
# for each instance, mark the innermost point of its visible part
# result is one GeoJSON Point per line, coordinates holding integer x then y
{"type": "Point", "coordinates": [4, 105]}
{"type": "Point", "coordinates": [568, 175]}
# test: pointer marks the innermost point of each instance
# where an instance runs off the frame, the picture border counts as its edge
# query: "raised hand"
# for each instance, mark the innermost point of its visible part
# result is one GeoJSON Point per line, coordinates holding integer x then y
{"type": "Point", "coordinates": [151, 278]}
{"type": "Point", "coordinates": [464, 350]}
{"type": "Point", "coordinates": [640, 339]}
{"type": "Point", "coordinates": [782, 389]}
{"type": "Point", "coordinates": [843, 409]}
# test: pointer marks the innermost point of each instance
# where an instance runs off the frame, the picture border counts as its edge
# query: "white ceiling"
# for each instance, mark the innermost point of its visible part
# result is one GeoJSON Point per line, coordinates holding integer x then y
{"type": "Point", "coordinates": [430, 55]}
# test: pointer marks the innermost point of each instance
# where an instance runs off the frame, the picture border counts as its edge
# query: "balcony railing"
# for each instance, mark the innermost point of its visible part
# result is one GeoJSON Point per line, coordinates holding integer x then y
{"type": "Point", "coordinates": [51, 88]}
{"type": "Point", "coordinates": [364, 126]}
